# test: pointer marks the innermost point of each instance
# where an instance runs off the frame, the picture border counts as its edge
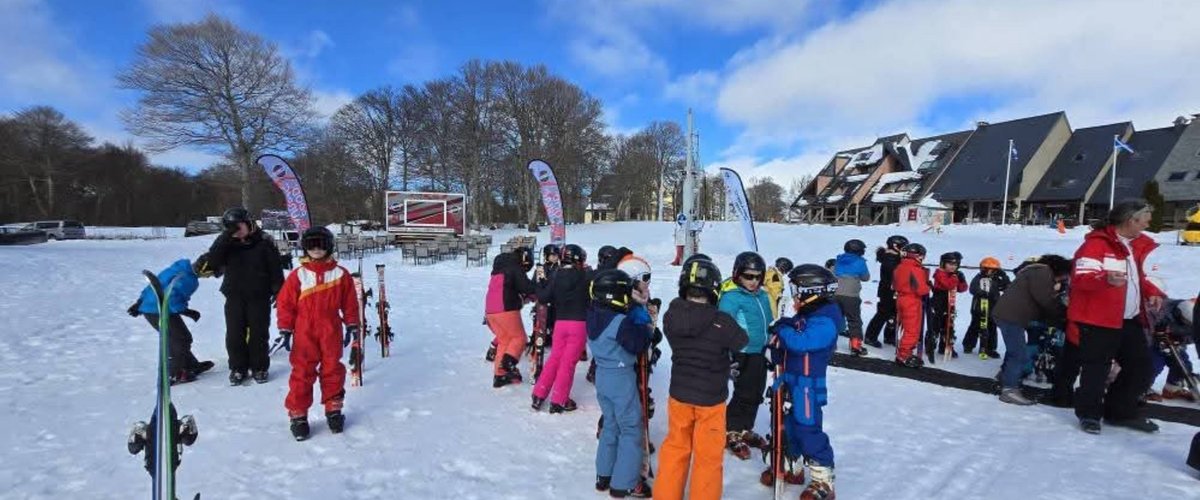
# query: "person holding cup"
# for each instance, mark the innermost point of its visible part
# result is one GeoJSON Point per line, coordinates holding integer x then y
{"type": "Point", "coordinates": [1108, 301]}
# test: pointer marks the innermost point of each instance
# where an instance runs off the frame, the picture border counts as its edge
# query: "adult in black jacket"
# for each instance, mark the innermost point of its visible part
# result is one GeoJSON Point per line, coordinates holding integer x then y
{"type": "Point", "coordinates": [250, 263]}
{"type": "Point", "coordinates": [885, 312]}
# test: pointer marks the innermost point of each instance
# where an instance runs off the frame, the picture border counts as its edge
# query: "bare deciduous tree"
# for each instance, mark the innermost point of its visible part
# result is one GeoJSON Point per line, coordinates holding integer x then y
{"type": "Point", "coordinates": [766, 199]}
{"type": "Point", "coordinates": [212, 85]}
{"type": "Point", "coordinates": [371, 127]}
{"type": "Point", "coordinates": [44, 142]}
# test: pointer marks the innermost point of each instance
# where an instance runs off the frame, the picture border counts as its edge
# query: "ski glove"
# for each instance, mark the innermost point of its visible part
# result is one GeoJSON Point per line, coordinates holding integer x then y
{"type": "Point", "coordinates": [735, 369]}
{"type": "Point", "coordinates": [134, 309]}
{"type": "Point", "coordinates": [286, 336]}
{"type": "Point", "coordinates": [351, 332]}
{"type": "Point", "coordinates": [192, 313]}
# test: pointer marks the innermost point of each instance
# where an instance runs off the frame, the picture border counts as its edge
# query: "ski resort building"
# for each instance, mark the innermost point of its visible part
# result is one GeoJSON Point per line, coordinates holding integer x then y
{"type": "Point", "coordinates": [1076, 174]}
{"type": "Point", "coordinates": [1179, 175]}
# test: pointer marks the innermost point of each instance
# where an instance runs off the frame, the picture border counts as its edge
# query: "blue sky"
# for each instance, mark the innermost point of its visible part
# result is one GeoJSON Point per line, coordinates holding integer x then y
{"type": "Point", "coordinates": [777, 86]}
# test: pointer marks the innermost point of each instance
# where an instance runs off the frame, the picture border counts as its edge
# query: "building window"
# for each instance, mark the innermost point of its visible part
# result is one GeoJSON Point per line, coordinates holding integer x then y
{"type": "Point", "coordinates": [1080, 157]}
{"type": "Point", "coordinates": [1176, 176]}
{"type": "Point", "coordinates": [863, 156]}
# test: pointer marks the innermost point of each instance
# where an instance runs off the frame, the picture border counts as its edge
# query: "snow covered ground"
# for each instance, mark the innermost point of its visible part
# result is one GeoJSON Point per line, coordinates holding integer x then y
{"type": "Point", "coordinates": [76, 372]}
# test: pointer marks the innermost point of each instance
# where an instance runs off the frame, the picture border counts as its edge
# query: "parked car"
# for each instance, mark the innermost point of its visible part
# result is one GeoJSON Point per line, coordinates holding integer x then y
{"type": "Point", "coordinates": [23, 235]}
{"type": "Point", "coordinates": [59, 229]}
{"type": "Point", "coordinates": [200, 227]}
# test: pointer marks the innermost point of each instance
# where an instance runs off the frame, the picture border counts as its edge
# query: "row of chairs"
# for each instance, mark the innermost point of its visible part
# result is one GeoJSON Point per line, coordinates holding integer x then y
{"type": "Point", "coordinates": [358, 245]}
{"type": "Point", "coordinates": [475, 248]}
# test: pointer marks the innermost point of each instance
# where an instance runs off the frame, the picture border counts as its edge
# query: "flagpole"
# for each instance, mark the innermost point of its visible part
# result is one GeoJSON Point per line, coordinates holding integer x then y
{"type": "Point", "coordinates": [1007, 174]}
{"type": "Point", "coordinates": [1112, 187]}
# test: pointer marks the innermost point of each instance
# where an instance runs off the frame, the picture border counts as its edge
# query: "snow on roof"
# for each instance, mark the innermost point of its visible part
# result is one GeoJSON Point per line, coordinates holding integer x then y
{"type": "Point", "coordinates": [598, 206]}
{"type": "Point", "coordinates": [866, 157]}
{"type": "Point", "coordinates": [897, 177]}
{"type": "Point", "coordinates": [856, 178]}
{"type": "Point", "coordinates": [929, 202]}
{"type": "Point", "coordinates": [924, 153]}
{"type": "Point", "coordinates": [834, 198]}
{"type": "Point", "coordinates": [877, 196]}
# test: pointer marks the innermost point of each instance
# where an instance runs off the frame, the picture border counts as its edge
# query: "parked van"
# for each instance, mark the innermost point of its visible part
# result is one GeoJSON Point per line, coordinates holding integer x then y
{"type": "Point", "coordinates": [60, 229]}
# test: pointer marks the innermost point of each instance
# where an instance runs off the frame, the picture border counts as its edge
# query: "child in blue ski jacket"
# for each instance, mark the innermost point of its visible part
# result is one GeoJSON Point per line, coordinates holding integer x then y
{"type": "Point", "coordinates": [803, 345]}
{"type": "Point", "coordinates": [182, 365]}
{"type": "Point", "coordinates": [617, 331]}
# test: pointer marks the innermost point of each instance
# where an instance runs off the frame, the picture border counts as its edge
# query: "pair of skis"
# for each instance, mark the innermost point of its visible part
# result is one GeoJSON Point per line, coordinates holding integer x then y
{"type": "Point", "coordinates": [779, 399]}
{"type": "Point", "coordinates": [948, 336]}
{"type": "Point", "coordinates": [643, 379]}
{"type": "Point", "coordinates": [537, 348]}
{"type": "Point", "coordinates": [384, 332]}
{"type": "Point", "coordinates": [163, 439]}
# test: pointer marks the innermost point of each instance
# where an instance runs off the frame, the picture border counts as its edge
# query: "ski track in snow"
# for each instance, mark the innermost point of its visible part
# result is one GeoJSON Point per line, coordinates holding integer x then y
{"type": "Point", "coordinates": [77, 372]}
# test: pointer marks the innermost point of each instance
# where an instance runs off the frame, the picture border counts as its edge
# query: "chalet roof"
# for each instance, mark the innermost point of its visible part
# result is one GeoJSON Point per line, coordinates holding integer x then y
{"type": "Point", "coordinates": [977, 172]}
{"type": "Point", "coordinates": [1151, 148]}
{"type": "Point", "coordinates": [1079, 162]}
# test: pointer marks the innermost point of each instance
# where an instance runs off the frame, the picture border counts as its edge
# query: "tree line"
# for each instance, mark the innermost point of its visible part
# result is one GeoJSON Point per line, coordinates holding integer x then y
{"type": "Point", "coordinates": [214, 86]}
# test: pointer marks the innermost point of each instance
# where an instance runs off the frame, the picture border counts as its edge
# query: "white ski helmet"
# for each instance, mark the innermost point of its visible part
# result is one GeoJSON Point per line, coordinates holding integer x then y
{"type": "Point", "coordinates": [636, 267]}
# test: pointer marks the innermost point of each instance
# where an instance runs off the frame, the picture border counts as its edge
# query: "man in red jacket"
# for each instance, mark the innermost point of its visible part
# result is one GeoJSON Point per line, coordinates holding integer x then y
{"type": "Point", "coordinates": [1109, 296]}
{"type": "Point", "coordinates": [911, 282]}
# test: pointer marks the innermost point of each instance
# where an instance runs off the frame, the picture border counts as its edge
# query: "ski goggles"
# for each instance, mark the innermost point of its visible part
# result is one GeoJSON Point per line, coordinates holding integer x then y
{"type": "Point", "coordinates": [643, 277]}
{"type": "Point", "coordinates": [751, 277]}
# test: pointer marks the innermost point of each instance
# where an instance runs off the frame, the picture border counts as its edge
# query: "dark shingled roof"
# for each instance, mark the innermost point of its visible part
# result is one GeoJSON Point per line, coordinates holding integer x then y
{"type": "Point", "coordinates": [1134, 170]}
{"type": "Point", "coordinates": [1078, 164]}
{"type": "Point", "coordinates": [977, 173]}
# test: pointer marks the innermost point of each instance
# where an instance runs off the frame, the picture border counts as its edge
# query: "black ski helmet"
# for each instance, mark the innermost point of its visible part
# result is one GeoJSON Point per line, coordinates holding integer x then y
{"type": "Point", "coordinates": [914, 249]}
{"type": "Point", "coordinates": [896, 242]}
{"type": "Point", "coordinates": [694, 257]}
{"type": "Point", "coordinates": [811, 285]}
{"type": "Point", "coordinates": [573, 254]}
{"type": "Point", "coordinates": [950, 258]}
{"type": "Point", "coordinates": [524, 256]}
{"type": "Point", "coordinates": [703, 275]}
{"type": "Point", "coordinates": [548, 250]}
{"type": "Point", "coordinates": [748, 261]}
{"type": "Point", "coordinates": [855, 246]}
{"type": "Point", "coordinates": [606, 256]}
{"type": "Point", "coordinates": [784, 265]}
{"type": "Point", "coordinates": [612, 289]}
{"type": "Point", "coordinates": [318, 237]}
{"type": "Point", "coordinates": [233, 216]}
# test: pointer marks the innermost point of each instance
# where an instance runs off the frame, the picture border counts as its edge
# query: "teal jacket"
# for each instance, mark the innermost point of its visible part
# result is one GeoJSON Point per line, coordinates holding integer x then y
{"type": "Point", "coordinates": [752, 311]}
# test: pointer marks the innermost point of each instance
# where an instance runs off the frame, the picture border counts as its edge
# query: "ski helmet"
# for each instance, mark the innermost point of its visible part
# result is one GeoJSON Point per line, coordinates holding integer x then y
{"type": "Point", "coordinates": [201, 266]}
{"type": "Point", "coordinates": [748, 261]}
{"type": "Point", "coordinates": [318, 237]}
{"type": "Point", "coordinates": [914, 249]}
{"type": "Point", "coordinates": [636, 267]}
{"type": "Point", "coordinates": [612, 289]}
{"type": "Point", "coordinates": [703, 275]}
{"type": "Point", "coordinates": [784, 264]}
{"type": "Point", "coordinates": [989, 263]}
{"type": "Point", "coordinates": [605, 256]}
{"type": "Point", "coordinates": [811, 285]}
{"type": "Point", "coordinates": [950, 258]}
{"type": "Point", "coordinates": [695, 257]}
{"type": "Point", "coordinates": [1185, 310]}
{"type": "Point", "coordinates": [573, 254]}
{"type": "Point", "coordinates": [830, 263]}
{"type": "Point", "coordinates": [856, 247]}
{"type": "Point", "coordinates": [233, 216]}
{"type": "Point", "coordinates": [896, 242]}
{"type": "Point", "coordinates": [525, 257]}
{"type": "Point", "coordinates": [548, 250]}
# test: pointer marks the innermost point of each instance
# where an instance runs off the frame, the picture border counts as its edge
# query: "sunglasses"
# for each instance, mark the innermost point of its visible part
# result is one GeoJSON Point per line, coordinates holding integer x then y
{"type": "Point", "coordinates": [751, 277]}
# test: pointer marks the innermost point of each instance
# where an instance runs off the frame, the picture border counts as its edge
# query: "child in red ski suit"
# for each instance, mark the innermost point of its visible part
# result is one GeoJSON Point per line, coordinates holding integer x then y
{"type": "Point", "coordinates": [911, 282]}
{"type": "Point", "coordinates": [947, 280]}
{"type": "Point", "coordinates": [316, 299]}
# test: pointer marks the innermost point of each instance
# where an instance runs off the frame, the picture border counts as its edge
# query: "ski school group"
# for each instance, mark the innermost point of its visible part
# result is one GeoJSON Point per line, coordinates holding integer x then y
{"type": "Point", "coordinates": [1096, 325]}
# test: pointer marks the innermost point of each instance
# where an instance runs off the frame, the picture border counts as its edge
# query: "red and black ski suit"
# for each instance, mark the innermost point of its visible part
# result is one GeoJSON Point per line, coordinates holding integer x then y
{"type": "Point", "coordinates": [911, 282]}
{"type": "Point", "coordinates": [316, 300]}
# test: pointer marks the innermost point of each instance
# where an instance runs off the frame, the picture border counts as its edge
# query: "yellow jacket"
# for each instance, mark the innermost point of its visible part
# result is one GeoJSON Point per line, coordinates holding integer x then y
{"type": "Point", "coordinates": [773, 283]}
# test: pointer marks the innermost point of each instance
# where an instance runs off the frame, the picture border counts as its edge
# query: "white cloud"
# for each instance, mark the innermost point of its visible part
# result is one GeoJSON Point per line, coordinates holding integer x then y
{"type": "Point", "coordinates": [697, 89]}
{"type": "Point", "coordinates": [327, 102]}
{"type": "Point", "coordinates": [890, 66]}
{"type": "Point", "coordinates": [783, 170]}
{"type": "Point", "coordinates": [316, 42]}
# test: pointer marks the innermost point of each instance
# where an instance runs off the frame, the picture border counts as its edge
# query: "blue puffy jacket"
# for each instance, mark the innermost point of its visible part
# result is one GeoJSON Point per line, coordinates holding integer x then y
{"type": "Point", "coordinates": [752, 312]}
{"type": "Point", "coordinates": [185, 286]}
{"type": "Point", "coordinates": [808, 342]}
{"type": "Point", "coordinates": [851, 271]}
{"type": "Point", "coordinates": [617, 338]}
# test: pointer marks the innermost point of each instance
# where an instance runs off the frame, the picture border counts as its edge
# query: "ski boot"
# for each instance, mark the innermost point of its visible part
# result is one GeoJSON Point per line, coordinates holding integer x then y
{"type": "Point", "coordinates": [565, 407]}
{"type": "Point", "coordinates": [490, 357]}
{"type": "Point", "coordinates": [639, 490]}
{"type": "Point", "coordinates": [856, 347]}
{"type": "Point", "coordinates": [299, 427]}
{"type": "Point", "coordinates": [913, 361]}
{"type": "Point", "coordinates": [754, 440]}
{"type": "Point", "coordinates": [336, 421]}
{"type": "Point", "coordinates": [511, 374]}
{"type": "Point", "coordinates": [790, 477]}
{"type": "Point", "coordinates": [591, 373]}
{"type": "Point", "coordinates": [182, 377]}
{"type": "Point", "coordinates": [1172, 391]}
{"type": "Point", "coordinates": [537, 403]}
{"type": "Point", "coordinates": [1013, 395]}
{"type": "Point", "coordinates": [260, 376]}
{"type": "Point", "coordinates": [138, 437]}
{"type": "Point", "coordinates": [733, 441]}
{"type": "Point", "coordinates": [821, 485]}
{"type": "Point", "coordinates": [202, 367]}
{"type": "Point", "coordinates": [187, 430]}
{"type": "Point", "coordinates": [603, 482]}
{"type": "Point", "coordinates": [237, 377]}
